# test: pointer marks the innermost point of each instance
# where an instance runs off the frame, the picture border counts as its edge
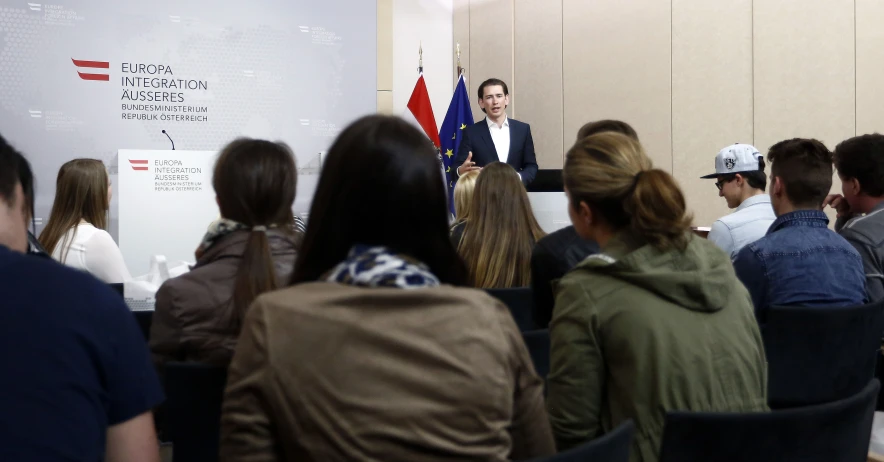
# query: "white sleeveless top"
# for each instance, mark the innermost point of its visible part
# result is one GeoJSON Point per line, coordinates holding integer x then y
{"type": "Point", "coordinates": [93, 250]}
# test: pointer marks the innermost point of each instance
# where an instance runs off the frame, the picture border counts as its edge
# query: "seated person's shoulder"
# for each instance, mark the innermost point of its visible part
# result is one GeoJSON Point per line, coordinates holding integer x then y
{"type": "Point", "coordinates": [56, 287]}
{"type": "Point", "coordinates": [867, 230]}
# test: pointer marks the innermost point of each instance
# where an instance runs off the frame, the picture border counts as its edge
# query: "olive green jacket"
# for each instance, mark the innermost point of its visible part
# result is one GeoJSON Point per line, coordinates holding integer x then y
{"type": "Point", "coordinates": [637, 332]}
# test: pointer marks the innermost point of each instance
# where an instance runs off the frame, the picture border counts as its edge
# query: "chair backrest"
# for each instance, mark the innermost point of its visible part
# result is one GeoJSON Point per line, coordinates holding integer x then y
{"type": "Point", "coordinates": [537, 342]}
{"type": "Point", "coordinates": [612, 447]}
{"type": "Point", "coordinates": [144, 319]}
{"type": "Point", "coordinates": [820, 355]}
{"type": "Point", "coordinates": [192, 411]}
{"type": "Point", "coordinates": [837, 431]}
{"type": "Point", "coordinates": [520, 301]}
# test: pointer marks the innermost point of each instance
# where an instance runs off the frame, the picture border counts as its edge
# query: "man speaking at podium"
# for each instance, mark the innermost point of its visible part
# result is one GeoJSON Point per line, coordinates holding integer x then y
{"type": "Point", "coordinates": [497, 138]}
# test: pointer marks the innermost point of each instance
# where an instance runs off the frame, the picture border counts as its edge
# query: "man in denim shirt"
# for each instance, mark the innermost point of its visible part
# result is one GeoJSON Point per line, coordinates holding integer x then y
{"type": "Point", "coordinates": [739, 171]}
{"type": "Point", "coordinates": [800, 261]}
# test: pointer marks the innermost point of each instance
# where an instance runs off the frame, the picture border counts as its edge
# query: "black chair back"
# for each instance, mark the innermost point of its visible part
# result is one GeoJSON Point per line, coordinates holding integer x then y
{"type": "Point", "coordinates": [144, 318]}
{"type": "Point", "coordinates": [838, 431]}
{"type": "Point", "coordinates": [520, 301]}
{"type": "Point", "coordinates": [537, 342]}
{"type": "Point", "coordinates": [820, 355]}
{"type": "Point", "coordinates": [612, 447]}
{"type": "Point", "coordinates": [192, 411]}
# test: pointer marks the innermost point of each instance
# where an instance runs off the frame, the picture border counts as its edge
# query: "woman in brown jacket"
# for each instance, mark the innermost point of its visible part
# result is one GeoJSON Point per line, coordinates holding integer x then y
{"type": "Point", "coordinates": [375, 353]}
{"type": "Point", "coordinates": [250, 250]}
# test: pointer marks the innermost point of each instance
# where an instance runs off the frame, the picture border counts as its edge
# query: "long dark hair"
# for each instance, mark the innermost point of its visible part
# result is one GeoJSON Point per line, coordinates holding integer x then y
{"type": "Point", "coordinates": [81, 193]}
{"type": "Point", "coordinates": [381, 186]}
{"type": "Point", "coordinates": [500, 232]}
{"type": "Point", "coordinates": [255, 182]}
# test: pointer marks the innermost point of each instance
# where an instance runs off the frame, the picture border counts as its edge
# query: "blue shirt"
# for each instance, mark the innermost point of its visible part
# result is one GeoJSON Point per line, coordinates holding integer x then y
{"type": "Point", "coordinates": [801, 262]}
{"type": "Point", "coordinates": [73, 362]}
{"type": "Point", "coordinates": [747, 224]}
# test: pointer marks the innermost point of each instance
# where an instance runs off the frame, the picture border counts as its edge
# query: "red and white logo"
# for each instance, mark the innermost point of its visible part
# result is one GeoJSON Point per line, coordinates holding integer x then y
{"type": "Point", "coordinates": [89, 66]}
{"type": "Point", "coordinates": [138, 164]}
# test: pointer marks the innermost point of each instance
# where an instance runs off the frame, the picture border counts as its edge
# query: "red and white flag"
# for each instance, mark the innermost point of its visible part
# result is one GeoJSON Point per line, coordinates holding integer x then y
{"type": "Point", "coordinates": [420, 111]}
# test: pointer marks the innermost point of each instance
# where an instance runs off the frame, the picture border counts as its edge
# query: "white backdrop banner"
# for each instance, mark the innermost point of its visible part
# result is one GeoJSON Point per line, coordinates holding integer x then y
{"type": "Point", "coordinates": [166, 204]}
{"type": "Point", "coordinates": [85, 78]}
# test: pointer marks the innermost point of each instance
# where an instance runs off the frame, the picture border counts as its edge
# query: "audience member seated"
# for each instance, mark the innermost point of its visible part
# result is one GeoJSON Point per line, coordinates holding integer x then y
{"type": "Point", "coordinates": [463, 200]}
{"type": "Point", "coordinates": [77, 383]}
{"type": "Point", "coordinates": [26, 179]}
{"type": "Point", "coordinates": [800, 261]}
{"type": "Point", "coordinates": [740, 179]}
{"type": "Point", "coordinates": [75, 233]}
{"type": "Point", "coordinates": [860, 164]}
{"type": "Point", "coordinates": [555, 254]}
{"type": "Point", "coordinates": [250, 250]}
{"type": "Point", "coordinates": [376, 353]}
{"type": "Point", "coordinates": [497, 239]}
{"type": "Point", "coordinates": [655, 322]}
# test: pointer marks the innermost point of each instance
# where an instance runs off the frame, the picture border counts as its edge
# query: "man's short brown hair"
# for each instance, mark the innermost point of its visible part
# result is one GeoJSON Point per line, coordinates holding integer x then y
{"type": "Point", "coordinates": [804, 166]}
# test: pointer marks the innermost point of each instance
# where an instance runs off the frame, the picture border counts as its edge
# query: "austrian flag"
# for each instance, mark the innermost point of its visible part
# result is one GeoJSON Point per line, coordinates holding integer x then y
{"type": "Point", "coordinates": [89, 66]}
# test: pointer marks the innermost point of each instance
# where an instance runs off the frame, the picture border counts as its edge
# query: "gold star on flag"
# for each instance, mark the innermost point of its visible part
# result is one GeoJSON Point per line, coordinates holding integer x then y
{"type": "Point", "coordinates": [454, 136]}
{"type": "Point", "coordinates": [449, 169]}
{"type": "Point", "coordinates": [462, 126]}
{"type": "Point", "coordinates": [449, 152]}
{"type": "Point", "coordinates": [450, 184]}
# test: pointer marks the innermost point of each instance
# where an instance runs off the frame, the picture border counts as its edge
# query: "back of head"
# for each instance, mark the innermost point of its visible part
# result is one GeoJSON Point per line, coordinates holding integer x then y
{"type": "Point", "coordinates": [255, 183]}
{"type": "Point", "coordinates": [611, 173]}
{"type": "Point", "coordinates": [379, 187]}
{"type": "Point", "coordinates": [601, 126]}
{"type": "Point", "coordinates": [502, 230]}
{"type": "Point", "coordinates": [804, 167]}
{"type": "Point", "coordinates": [81, 193]}
{"type": "Point", "coordinates": [862, 158]}
{"type": "Point", "coordinates": [15, 171]}
{"type": "Point", "coordinates": [463, 194]}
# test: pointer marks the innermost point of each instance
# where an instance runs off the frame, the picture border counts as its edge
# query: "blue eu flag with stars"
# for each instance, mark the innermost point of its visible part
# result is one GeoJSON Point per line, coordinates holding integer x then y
{"type": "Point", "coordinates": [458, 118]}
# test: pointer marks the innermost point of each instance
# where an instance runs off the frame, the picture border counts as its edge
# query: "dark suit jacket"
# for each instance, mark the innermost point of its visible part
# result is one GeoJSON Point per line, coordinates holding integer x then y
{"type": "Point", "coordinates": [477, 139]}
{"type": "Point", "coordinates": [553, 256]}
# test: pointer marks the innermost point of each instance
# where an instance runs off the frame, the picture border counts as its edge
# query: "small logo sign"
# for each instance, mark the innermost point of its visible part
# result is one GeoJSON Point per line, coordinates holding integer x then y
{"type": "Point", "coordinates": [729, 163]}
{"type": "Point", "coordinates": [138, 164]}
{"type": "Point", "coordinates": [89, 65]}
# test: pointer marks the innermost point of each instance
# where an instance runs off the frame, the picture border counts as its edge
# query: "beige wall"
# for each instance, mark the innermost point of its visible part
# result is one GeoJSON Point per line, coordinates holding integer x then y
{"type": "Point", "coordinates": [692, 76]}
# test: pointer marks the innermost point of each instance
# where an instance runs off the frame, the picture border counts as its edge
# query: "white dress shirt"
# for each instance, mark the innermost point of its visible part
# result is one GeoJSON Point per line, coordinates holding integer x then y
{"type": "Point", "coordinates": [92, 250]}
{"type": "Point", "coordinates": [500, 135]}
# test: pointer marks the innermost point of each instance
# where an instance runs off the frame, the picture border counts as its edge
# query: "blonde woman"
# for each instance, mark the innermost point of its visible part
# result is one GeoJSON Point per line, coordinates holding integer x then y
{"type": "Point", "coordinates": [501, 232]}
{"type": "Point", "coordinates": [76, 231]}
{"type": "Point", "coordinates": [463, 198]}
{"type": "Point", "coordinates": [657, 321]}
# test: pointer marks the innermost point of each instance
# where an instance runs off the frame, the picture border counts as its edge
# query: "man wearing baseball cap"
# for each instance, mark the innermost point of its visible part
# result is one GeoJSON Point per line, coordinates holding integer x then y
{"type": "Point", "coordinates": [739, 171]}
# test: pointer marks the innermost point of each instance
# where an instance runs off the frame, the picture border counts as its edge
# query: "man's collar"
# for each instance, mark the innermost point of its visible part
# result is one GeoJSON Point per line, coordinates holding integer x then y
{"type": "Point", "coordinates": [757, 199]}
{"type": "Point", "coordinates": [808, 218]}
{"type": "Point", "coordinates": [506, 122]}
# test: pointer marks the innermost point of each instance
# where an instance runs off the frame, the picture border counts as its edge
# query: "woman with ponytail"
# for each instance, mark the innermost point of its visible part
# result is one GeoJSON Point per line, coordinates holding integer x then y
{"type": "Point", "coordinates": [249, 251]}
{"type": "Point", "coordinates": [656, 321]}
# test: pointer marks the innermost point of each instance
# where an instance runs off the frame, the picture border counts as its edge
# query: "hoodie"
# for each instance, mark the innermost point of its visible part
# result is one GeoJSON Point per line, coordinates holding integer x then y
{"type": "Point", "coordinates": [637, 332]}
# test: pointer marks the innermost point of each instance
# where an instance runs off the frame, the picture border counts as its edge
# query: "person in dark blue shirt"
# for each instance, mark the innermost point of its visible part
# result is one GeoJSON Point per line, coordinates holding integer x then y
{"type": "Point", "coordinates": [800, 261]}
{"type": "Point", "coordinates": [76, 382]}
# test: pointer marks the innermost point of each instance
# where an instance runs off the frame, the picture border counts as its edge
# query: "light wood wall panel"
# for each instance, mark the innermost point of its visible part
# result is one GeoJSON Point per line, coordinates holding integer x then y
{"type": "Point", "coordinates": [385, 45]}
{"type": "Point", "coordinates": [617, 66]}
{"type": "Point", "coordinates": [491, 48]}
{"type": "Point", "coordinates": [461, 34]}
{"type": "Point", "coordinates": [711, 94]}
{"type": "Point", "coordinates": [804, 72]}
{"type": "Point", "coordinates": [538, 76]}
{"type": "Point", "coordinates": [869, 67]}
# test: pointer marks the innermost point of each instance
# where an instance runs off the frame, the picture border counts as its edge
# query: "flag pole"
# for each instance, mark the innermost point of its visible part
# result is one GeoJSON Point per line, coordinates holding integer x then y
{"type": "Point", "coordinates": [420, 58]}
{"type": "Point", "coordinates": [459, 68]}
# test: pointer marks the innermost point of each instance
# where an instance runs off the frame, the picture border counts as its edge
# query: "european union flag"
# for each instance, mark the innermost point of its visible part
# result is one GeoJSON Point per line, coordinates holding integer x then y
{"type": "Point", "coordinates": [458, 117]}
